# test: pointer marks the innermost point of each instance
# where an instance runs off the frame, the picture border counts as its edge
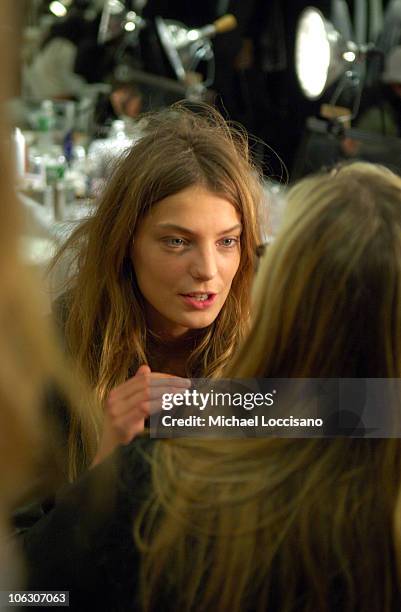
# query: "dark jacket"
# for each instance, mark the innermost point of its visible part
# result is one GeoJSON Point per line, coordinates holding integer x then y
{"type": "Point", "coordinates": [85, 545]}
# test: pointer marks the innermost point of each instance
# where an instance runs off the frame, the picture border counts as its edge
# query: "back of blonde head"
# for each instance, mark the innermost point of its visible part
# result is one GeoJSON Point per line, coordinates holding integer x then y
{"type": "Point", "coordinates": [331, 282]}
{"type": "Point", "coordinates": [289, 524]}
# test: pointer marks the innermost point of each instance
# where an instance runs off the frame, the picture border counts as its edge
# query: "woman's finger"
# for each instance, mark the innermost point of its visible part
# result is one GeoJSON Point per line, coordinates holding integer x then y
{"type": "Point", "coordinates": [138, 384]}
{"type": "Point", "coordinates": [151, 394]}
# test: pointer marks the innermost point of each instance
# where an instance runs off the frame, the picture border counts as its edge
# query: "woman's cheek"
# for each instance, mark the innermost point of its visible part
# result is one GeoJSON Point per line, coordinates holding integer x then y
{"type": "Point", "coordinates": [232, 265]}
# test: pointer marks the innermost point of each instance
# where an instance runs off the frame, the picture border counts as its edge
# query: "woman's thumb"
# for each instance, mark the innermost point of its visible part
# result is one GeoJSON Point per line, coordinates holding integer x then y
{"type": "Point", "coordinates": [143, 369]}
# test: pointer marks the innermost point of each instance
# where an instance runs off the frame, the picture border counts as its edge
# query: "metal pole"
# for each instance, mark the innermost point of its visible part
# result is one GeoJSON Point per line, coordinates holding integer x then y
{"type": "Point", "coordinates": [375, 19]}
{"type": "Point", "coordinates": [360, 21]}
{"type": "Point", "coordinates": [341, 18]}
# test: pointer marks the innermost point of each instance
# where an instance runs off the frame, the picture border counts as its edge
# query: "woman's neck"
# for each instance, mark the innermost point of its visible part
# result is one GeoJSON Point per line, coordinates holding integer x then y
{"type": "Point", "coordinates": [170, 355]}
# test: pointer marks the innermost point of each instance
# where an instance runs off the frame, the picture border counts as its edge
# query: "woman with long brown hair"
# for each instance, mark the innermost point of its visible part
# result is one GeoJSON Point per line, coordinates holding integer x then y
{"type": "Point", "coordinates": [295, 525]}
{"type": "Point", "coordinates": [162, 271]}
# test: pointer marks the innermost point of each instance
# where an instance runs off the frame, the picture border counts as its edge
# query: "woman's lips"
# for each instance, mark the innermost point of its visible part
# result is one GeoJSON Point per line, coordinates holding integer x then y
{"type": "Point", "coordinates": [199, 304]}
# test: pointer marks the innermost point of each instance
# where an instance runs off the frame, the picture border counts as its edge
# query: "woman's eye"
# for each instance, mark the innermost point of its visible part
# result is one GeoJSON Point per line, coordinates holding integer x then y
{"type": "Point", "coordinates": [229, 242]}
{"type": "Point", "coordinates": [175, 242]}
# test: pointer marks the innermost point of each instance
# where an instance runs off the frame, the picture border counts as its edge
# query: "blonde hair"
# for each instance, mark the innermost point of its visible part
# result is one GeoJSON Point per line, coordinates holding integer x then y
{"type": "Point", "coordinates": [292, 524]}
{"type": "Point", "coordinates": [19, 375]}
{"type": "Point", "coordinates": [331, 283]}
{"type": "Point", "coordinates": [105, 326]}
{"type": "Point", "coordinates": [30, 362]}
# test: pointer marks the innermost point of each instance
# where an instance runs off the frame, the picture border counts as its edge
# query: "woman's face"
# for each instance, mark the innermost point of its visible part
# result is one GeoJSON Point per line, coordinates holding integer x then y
{"type": "Point", "coordinates": [186, 253]}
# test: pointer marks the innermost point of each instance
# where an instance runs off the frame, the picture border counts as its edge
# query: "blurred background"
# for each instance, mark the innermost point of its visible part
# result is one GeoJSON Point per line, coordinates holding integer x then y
{"type": "Point", "coordinates": [313, 85]}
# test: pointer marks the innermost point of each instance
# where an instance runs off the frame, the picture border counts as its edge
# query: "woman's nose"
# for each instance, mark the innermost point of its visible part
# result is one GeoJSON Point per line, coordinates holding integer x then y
{"type": "Point", "coordinates": [204, 264]}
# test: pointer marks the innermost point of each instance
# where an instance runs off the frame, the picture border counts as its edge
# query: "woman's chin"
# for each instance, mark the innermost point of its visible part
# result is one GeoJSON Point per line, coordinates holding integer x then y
{"type": "Point", "coordinates": [183, 326]}
{"type": "Point", "coordinates": [199, 320]}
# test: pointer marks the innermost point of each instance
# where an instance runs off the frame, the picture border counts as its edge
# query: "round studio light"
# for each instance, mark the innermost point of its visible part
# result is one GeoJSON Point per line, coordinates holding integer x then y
{"type": "Point", "coordinates": [312, 53]}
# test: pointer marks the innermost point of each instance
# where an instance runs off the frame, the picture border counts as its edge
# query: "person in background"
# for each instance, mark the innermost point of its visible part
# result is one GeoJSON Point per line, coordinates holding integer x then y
{"type": "Point", "coordinates": [268, 524]}
{"type": "Point", "coordinates": [161, 272]}
{"type": "Point", "coordinates": [126, 100]}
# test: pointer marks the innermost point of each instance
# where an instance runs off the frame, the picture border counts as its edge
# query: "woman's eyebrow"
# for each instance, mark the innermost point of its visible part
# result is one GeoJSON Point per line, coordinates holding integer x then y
{"type": "Point", "coordinates": [179, 228]}
{"type": "Point", "coordinates": [234, 228]}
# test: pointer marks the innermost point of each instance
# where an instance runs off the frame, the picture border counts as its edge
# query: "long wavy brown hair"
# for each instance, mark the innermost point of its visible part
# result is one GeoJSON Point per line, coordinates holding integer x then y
{"type": "Point", "coordinates": [105, 327]}
{"type": "Point", "coordinates": [296, 525]}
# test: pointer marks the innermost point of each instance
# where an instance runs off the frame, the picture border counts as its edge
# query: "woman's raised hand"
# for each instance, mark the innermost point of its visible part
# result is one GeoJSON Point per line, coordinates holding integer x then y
{"type": "Point", "coordinates": [129, 404]}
